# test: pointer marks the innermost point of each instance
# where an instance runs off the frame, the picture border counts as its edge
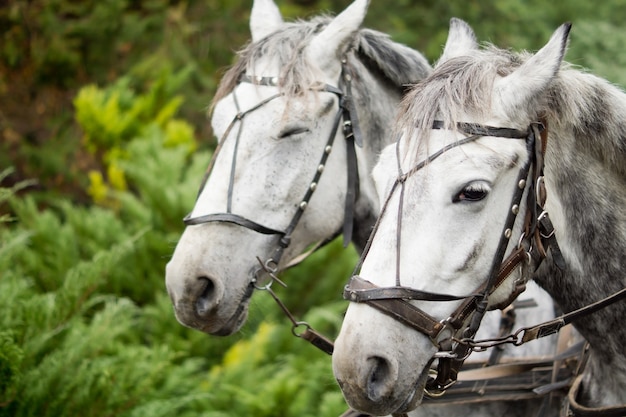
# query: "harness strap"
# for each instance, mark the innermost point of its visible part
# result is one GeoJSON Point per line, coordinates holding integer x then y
{"type": "Point", "coordinates": [399, 309]}
{"type": "Point", "coordinates": [553, 326]}
{"type": "Point", "coordinates": [547, 239]}
{"type": "Point", "coordinates": [352, 134]}
{"type": "Point", "coordinates": [361, 290]}
{"type": "Point", "coordinates": [484, 130]}
{"type": "Point", "coordinates": [232, 218]}
{"type": "Point", "coordinates": [574, 409]}
{"type": "Point", "coordinates": [352, 188]}
{"type": "Point", "coordinates": [238, 117]}
{"type": "Point", "coordinates": [353, 413]}
{"type": "Point", "coordinates": [501, 370]}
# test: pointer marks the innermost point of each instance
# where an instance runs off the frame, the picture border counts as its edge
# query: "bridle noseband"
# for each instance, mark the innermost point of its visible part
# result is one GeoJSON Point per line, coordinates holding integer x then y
{"type": "Point", "coordinates": [352, 134]}
{"type": "Point", "coordinates": [452, 334]}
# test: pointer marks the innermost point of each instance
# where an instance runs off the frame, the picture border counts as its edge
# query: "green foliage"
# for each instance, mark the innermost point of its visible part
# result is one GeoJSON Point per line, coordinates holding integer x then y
{"type": "Point", "coordinates": [595, 38]}
{"type": "Point", "coordinates": [115, 118]}
{"type": "Point", "coordinates": [11, 356]}
{"type": "Point", "coordinates": [60, 39]}
{"type": "Point", "coordinates": [74, 344]}
{"type": "Point", "coordinates": [6, 193]}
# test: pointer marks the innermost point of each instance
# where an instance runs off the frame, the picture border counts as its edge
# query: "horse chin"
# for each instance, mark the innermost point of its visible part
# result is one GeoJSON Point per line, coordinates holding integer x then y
{"type": "Point", "coordinates": [416, 396]}
{"type": "Point", "coordinates": [234, 323]}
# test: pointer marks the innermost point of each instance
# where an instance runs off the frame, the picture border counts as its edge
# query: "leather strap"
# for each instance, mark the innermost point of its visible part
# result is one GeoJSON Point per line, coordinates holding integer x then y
{"type": "Point", "coordinates": [361, 290]}
{"type": "Point", "coordinates": [503, 369]}
{"type": "Point", "coordinates": [484, 130]}
{"type": "Point", "coordinates": [233, 218]}
{"type": "Point", "coordinates": [553, 326]}
{"type": "Point", "coordinates": [352, 134]}
{"type": "Point", "coordinates": [353, 413]}
{"type": "Point", "coordinates": [575, 409]}
{"type": "Point", "coordinates": [318, 340]}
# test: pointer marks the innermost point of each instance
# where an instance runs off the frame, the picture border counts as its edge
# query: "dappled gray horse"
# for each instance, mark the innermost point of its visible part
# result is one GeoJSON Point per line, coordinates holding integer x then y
{"type": "Point", "coordinates": [468, 217]}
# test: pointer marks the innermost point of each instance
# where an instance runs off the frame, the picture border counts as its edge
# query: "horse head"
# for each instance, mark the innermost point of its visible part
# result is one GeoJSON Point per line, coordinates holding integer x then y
{"type": "Point", "coordinates": [285, 174]}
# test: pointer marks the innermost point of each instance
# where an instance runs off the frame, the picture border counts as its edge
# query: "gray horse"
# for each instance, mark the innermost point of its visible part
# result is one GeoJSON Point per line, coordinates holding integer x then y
{"type": "Point", "coordinates": [301, 118]}
{"type": "Point", "coordinates": [478, 134]}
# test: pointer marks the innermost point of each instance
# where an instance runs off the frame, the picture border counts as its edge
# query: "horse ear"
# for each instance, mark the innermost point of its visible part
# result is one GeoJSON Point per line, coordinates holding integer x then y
{"type": "Point", "coordinates": [534, 75]}
{"type": "Point", "coordinates": [461, 39]}
{"type": "Point", "coordinates": [265, 18]}
{"type": "Point", "coordinates": [336, 36]}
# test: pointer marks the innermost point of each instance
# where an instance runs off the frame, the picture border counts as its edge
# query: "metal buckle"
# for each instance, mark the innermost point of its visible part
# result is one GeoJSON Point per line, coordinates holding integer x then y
{"type": "Point", "coordinates": [438, 338]}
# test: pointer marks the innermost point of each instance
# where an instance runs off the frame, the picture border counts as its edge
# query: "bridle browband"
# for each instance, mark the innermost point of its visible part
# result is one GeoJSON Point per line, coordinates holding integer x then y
{"type": "Point", "coordinates": [352, 134]}
{"type": "Point", "coordinates": [451, 335]}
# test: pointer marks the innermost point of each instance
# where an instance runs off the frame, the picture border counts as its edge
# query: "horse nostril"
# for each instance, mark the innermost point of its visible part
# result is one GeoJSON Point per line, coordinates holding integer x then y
{"type": "Point", "coordinates": [206, 296]}
{"type": "Point", "coordinates": [380, 380]}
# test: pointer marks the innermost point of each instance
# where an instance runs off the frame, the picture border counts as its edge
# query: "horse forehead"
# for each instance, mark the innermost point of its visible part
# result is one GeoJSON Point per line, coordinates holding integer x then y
{"type": "Point", "coordinates": [268, 66]}
{"type": "Point", "coordinates": [488, 153]}
{"type": "Point", "coordinates": [242, 100]}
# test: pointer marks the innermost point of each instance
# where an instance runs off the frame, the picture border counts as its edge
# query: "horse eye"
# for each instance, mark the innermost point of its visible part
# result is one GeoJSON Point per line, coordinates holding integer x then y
{"type": "Point", "coordinates": [471, 193]}
{"type": "Point", "coordinates": [292, 132]}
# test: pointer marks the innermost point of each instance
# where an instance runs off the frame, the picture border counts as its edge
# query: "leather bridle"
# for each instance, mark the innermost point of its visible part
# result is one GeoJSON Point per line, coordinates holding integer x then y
{"type": "Point", "coordinates": [453, 335]}
{"type": "Point", "coordinates": [352, 134]}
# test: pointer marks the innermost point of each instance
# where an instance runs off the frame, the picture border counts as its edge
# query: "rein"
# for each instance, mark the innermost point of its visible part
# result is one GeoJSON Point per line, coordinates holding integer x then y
{"type": "Point", "coordinates": [352, 135]}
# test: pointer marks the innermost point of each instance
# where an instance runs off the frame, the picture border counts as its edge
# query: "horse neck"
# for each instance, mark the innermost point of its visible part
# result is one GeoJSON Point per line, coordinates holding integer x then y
{"type": "Point", "coordinates": [587, 204]}
{"type": "Point", "coordinates": [376, 103]}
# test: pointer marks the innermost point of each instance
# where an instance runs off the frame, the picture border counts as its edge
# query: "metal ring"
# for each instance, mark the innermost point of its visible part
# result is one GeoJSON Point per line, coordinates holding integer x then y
{"type": "Point", "coordinates": [264, 287]}
{"type": "Point", "coordinates": [298, 324]}
{"type": "Point", "coordinates": [269, 267]}
{"type": "Point", "coordinates": [538, 190]}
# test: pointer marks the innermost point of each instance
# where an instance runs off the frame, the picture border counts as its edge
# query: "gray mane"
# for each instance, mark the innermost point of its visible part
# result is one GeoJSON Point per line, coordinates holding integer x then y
{"type": "Point", "coordinates": [460, 85]}
{"type": "Point", "coordinates": [396, 64]}
{"type": "Point", "coordinates": [586, 105]}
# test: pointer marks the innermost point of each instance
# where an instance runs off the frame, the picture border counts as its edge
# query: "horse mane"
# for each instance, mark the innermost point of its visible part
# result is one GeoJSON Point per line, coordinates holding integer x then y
{"type": "Point", "coordinates": [397, 64]}
{"type": "Point", "coordinates": [595, 110]}
{"type": "Point", "coordinates": [590, 107]}
{"type": "Point", "coordinates": [460, 85]}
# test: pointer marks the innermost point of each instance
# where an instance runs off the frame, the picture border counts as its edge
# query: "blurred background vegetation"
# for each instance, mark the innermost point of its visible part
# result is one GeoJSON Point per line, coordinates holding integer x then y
{"type": "Point", "coordinates": [103, 141]}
